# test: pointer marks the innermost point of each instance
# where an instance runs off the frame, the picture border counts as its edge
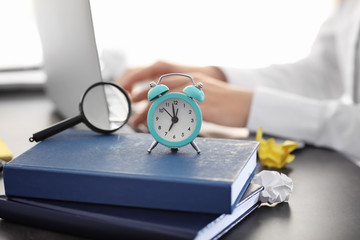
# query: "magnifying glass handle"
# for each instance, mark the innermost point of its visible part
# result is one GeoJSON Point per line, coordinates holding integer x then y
{"type": "Point", "coordinates": [54, 129]}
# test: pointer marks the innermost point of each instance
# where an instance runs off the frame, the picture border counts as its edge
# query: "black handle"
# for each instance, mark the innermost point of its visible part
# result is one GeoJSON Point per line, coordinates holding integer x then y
{"type": "Point", "coordinates": [54, 129]}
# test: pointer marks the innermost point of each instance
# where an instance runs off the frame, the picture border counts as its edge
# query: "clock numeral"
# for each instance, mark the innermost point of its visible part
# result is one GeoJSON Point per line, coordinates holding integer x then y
{"type": "Point", "coordinates": [192, 120]}
{"type": "Point", "coordinates": [159, 127]}
{"type": "Point", "coordinates": [184, 105]}
{"type": "Point", "coordinates": [176, 102]}
{"type": "Point", "coordinates": [167, 104]}
{"type": "Point", "coordinates": [190, 111]}
{"type": "Point", "coordinates": [189, 129]}
{"type": "Point", "coordinates": [182, 134]}
{"type": "Point", "coordinates": [161, 110]}
{"type": "Point", "coordinates": [174, 137]}
{"type": "Point", "coordinates": [157, 118]}
{"type": "Point", "coordinates": [166, 133]}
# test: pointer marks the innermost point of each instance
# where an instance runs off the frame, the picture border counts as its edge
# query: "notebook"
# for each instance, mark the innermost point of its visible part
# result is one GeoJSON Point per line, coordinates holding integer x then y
{"type": "Point", "coordinates": [83, 166]}
{"type": "Point", "coordinates": [110, 222]}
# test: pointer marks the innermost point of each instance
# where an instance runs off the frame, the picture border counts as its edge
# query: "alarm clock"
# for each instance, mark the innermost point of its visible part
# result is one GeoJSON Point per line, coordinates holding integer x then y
{"type": "Point", "coordinates": [174, 119]}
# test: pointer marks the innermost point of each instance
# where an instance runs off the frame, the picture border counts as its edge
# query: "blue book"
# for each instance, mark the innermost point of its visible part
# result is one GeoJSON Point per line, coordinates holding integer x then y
{"type": "Point", "coordinates": [82, 166]}
{"type": "Point", "coordinates": [115, 222]}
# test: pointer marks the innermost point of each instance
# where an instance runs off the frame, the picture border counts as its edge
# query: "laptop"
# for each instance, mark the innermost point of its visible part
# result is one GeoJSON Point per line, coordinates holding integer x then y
{"type": "Point", "coordinates": [71, 59]}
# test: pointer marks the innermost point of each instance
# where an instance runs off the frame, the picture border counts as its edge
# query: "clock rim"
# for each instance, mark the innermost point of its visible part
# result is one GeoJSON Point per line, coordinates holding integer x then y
{"type": "Point", "coordinates": [150, 118]}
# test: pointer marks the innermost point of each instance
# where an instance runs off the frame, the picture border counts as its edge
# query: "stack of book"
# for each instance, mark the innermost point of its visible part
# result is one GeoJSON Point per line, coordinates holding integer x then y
{"type": "Point", "coordinates": [109, 186]}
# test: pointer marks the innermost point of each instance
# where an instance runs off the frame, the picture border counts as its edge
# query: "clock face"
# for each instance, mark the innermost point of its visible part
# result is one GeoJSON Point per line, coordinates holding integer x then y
{"type": "Point", "coordinates": [174, 119]}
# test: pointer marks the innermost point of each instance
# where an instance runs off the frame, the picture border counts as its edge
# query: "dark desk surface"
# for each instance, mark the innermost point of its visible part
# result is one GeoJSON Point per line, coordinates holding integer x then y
{"type": "Point", "coordinates": [324, 204]}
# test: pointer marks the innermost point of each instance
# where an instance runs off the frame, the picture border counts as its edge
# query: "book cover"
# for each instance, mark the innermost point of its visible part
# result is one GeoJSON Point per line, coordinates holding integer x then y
{"type": "Point", "coordinates": [79, 165]}
{"type": "Point", "coordinates": [115, 222]}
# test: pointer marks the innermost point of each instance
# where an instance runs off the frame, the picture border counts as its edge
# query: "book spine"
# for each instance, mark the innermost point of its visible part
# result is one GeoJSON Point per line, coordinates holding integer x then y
{"type": "Point", "coordinates": [118, 190]}
{"type": "Point", "coordinates": [87, 226]}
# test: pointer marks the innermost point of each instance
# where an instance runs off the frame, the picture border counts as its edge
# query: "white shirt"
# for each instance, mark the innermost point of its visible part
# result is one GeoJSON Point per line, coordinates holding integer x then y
{"type": "Point", "coordinates": [314, 99]}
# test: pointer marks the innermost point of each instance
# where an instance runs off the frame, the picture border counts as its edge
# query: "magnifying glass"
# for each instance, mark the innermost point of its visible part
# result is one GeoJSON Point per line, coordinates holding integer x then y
{"type": "Point", "coordinates": [104, 108]}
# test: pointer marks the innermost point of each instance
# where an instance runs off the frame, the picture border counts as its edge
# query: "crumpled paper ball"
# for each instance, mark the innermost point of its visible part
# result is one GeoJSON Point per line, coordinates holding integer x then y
{"type": "Point", "coordinates": [277, 187]}
{"type": "Point", "coordinates": [274, 155]}
{"type": "Point", "coordinates": [5, 153]}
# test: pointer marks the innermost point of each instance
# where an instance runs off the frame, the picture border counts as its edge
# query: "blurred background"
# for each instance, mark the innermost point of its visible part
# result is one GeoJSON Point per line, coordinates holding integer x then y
{"type": "Point", "coordinates": [240, 33]}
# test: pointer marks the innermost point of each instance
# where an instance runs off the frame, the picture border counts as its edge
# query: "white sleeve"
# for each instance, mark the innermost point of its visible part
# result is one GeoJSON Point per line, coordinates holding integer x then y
{"type": "Point", "coordinates": [328, 123]}
{"type": "Point", "coordinates": [302, 100]}
{"type": "Point", "coordinates": [317, 76]}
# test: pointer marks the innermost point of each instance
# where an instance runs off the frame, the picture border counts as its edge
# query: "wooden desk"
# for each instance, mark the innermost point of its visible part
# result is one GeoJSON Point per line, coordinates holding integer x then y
{"type": "Point", "coordinates": [324, 204]}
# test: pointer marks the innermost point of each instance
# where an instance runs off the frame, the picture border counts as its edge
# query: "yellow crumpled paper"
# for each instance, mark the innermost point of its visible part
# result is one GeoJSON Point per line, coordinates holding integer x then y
{"type": "Point", "coordinates": [272, 154]}
{"type": "Point", "coordinates": [5, 153]}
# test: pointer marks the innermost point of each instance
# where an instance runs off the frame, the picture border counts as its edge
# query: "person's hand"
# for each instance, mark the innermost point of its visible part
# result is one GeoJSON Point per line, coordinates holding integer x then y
{"type": "Point", "coordinates": [224, 104]}
{"type": "Point", "coordinates": [154, 71]}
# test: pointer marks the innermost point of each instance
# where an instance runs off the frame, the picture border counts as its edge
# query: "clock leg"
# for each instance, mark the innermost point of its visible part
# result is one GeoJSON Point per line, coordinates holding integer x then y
{"type": "Point", "coordinates": [174, 149]}
{"type": "Point", "coordinates": [152, 146]}
{"type": "Point", "coordinates": [193, 144]}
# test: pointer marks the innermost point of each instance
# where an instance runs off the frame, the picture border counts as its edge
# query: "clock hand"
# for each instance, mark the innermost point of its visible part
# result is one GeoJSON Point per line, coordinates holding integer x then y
{"type": "Point", "coordinates": [173, 109]}
{"type": "Point", "coordinates": [167, 112]}
{"type": "Point", "coordinates": [172, 124]}
{"type": "Point", "coordinates": [174, 119]}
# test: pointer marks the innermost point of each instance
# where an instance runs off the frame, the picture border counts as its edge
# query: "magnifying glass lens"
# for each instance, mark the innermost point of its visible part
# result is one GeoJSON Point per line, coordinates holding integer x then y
{"type": "Point", "coordinates": [105, 107]}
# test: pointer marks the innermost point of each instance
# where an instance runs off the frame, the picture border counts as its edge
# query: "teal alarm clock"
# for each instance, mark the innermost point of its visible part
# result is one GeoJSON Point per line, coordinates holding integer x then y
{"type": "Point", "coordinates": [174, 119]}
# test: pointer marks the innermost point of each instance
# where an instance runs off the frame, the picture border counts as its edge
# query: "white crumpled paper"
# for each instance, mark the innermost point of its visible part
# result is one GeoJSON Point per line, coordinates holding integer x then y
{"type": "Point", "coordinates": [277, 187]}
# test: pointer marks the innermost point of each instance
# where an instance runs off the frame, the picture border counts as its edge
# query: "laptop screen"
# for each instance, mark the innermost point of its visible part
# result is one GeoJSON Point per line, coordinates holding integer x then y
{"type": "Point", "coordinates": [69, 49]}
